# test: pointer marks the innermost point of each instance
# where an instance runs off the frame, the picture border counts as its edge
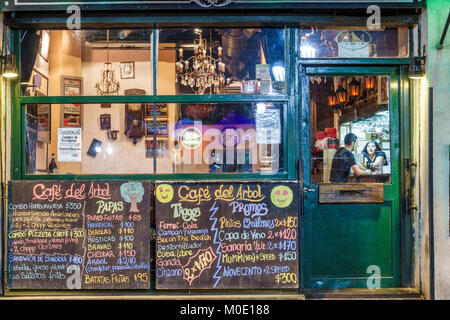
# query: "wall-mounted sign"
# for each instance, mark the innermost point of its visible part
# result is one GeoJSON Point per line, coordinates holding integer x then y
{"type": "Point", "coordinates": [79, 235]}
{"type": "Point", "coordinates": [268, 126]}
{"type": "Point", "coordinates": [69, 144]}
{"type": "Point", "coordinates": [191, 138]}
{"type": "Point", "coordinates": [71, 113]}
{"type": "Point", "coordinates": [263, 71]}
{"type": "Point", "coordinates": [227, 235]}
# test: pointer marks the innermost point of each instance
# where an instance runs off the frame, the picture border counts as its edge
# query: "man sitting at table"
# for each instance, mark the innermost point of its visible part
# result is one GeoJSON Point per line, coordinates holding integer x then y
{"type": "Point", "coordinates": [344, 159]}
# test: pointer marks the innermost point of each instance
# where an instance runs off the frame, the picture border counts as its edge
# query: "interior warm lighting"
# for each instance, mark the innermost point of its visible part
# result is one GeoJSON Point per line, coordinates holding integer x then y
{"type": "Point", "coordinates": [9, 69]}
{"type": "Point", "coordinates": [341, 94]}
{"type": "Point", "coordinates": [108, 85]}
{"type": "Point", "coordinates": [355, 87]}
{"type": "Point", "coordinates": [201, 71]}
{"type": "Point", "coordinates": [370, 82]}
{"type": "Point", "coordinates": [332, 99]}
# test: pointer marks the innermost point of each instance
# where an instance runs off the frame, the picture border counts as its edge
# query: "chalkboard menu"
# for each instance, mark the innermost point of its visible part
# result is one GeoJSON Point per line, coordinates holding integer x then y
{"type": "Point", "coordinates": [79, 235]}
{"type": "Point", "coordinates": [227, 235]}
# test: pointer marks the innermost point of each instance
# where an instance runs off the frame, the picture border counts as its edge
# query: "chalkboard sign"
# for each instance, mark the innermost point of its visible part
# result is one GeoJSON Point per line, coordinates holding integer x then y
{"type": "Point", "coordinates": [79, 235]}
{"type": "Point", "coordinates": [227, 235]}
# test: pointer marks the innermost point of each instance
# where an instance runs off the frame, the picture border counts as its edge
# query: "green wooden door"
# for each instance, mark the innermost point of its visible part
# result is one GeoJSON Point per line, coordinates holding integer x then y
{"type": "Point", "coordinates": [350, 245]}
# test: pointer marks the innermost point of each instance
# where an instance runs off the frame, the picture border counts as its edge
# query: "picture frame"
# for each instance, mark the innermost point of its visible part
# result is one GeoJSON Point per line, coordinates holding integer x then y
{"type": "Point", "coordinates": [161, 110]}
{"type": "Point", "coordinates": [160, 128]}
{"type": "Point", "coordinates": [383, 90]}
{"type": "Point", "coordinates": [105, 121]}
{"type": "Point", "coordinates": [158, 147]}
{"type": "Point", "coordinates": [38, 84]}
{"type": "Point", "coordinates": [127, 70]}
{"type": "Point", "coordinates": [44, 122]}
{"type": "Point", "coordinates": [71, 114]}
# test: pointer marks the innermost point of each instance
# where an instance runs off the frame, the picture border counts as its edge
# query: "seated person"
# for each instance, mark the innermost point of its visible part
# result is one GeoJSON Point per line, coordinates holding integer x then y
{"type": "Point", "coordinates": [344, 159]}
{"type": "Point", "coordinates": [373, 158]}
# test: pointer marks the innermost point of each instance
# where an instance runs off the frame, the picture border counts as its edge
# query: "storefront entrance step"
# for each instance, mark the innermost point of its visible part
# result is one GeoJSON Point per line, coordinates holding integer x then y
{"type": "Point", "coordinates": [364, 294]}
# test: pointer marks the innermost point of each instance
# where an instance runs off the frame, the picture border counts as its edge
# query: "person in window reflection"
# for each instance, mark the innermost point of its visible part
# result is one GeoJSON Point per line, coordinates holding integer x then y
{"type": "Point", "coordinates": [373, 158]}
{"type": "Point", "coordinates": [344, 160]}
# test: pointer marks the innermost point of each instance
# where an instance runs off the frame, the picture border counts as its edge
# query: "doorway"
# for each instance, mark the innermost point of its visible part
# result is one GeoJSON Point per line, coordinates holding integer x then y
{"type": "Point", "coordinates": [350, 150]}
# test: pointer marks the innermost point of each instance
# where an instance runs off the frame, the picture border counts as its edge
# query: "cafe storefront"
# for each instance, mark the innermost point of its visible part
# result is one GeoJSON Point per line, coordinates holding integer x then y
{"type": "Point", "coordinates": [233, 147]}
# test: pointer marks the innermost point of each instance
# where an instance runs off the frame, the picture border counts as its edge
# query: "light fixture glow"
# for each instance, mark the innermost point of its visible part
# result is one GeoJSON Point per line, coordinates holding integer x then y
{"type": "Point", "coordinates": [278, 73]}
{"type": "Point", "coordinates": [307, 51]}
{"type": "Point", "coordinates": [260, 107]}
{"type": "Point", "coordinates": [9, 69]}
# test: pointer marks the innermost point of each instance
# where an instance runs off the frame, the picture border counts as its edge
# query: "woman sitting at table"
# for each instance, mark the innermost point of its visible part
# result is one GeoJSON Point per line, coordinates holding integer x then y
{"type": "Point", "coordinates": [373, 158]}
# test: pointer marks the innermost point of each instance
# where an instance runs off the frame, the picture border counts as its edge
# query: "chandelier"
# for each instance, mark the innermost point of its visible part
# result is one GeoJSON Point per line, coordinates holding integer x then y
{"type": "Point", "coordinates": [107, 85]}
{"type": "Point", "coordinates": [201, 72]}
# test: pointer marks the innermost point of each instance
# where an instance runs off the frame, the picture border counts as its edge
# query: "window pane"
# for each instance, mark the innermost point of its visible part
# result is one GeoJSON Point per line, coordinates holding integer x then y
{"type": "Point", "coordinates": [86, 62]}
{"type": "Point", "coordinates": [345, 109]}
{"type": "Point", "coordinates": [226, 138]}
{"type": "Point", "coordinates": [348, 43]}
{"type": "Point", "coordinates": [221, 61]}
{"type": "Point", "coordinates": [155, 138]}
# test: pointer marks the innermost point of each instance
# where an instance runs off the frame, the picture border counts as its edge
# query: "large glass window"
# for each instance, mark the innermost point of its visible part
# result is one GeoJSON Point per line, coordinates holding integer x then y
{"type": "Point", "coordinates": [86, 62]}
{"type": "Point", "coordinates": [354, 43]}
{"type": "Point", "coordinates": [221, 61]}
{"type": "Point", "coordinates": [190, 61]}
{"type": "Point", "coordinates": [148, 138]}
{"type": "Point", "coordinates": [350, 129]}
{"type": "Point", "coordinates": [137, 136]}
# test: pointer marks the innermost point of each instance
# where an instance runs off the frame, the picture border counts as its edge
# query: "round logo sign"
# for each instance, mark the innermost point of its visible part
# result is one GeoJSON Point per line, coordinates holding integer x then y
{"type": "Point", "coordinates": [164, 193]}
{"type": "Point", "coordinates": [191, 138]}
{"type": "Point", "coordinates": [281, 196]}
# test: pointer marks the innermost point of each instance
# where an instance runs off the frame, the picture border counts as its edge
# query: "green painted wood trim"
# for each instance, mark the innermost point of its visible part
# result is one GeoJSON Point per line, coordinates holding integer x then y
{"type": "Point", "coordinates": [152, 19]}
{"type": "Point", "coordinates": [354, 61]}
{"type": "Point", "coordinates": [378, 70]}
{"type": "Point", "coordinates": [162, 177]}
{"type": "Point", "coordinates": [157, 99]}
{"type": "Point", "coordinates": [392, 190]}
{"type": "Point", "coordinates": [291, 109]}
{"type": "Point", "coordinates": [396, 176]}
{"type": "Point", "coordinates": [17, 117]}
{"type": "Point", "coordinates": [406, 152]}
{"type": "Point", "coordinates": [189, 5]}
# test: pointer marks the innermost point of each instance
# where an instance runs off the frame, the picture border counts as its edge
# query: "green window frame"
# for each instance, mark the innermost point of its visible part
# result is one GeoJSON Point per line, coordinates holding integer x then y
{"type": "Point", "coordinates": [18, 128]}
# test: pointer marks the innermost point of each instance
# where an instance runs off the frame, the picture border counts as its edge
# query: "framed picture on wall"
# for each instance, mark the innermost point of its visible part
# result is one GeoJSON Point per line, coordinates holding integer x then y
{"type": "Point", "coordinates": [38, 84]}
{"type": "Point", "coordinates": [161, 110]}
{"type": "Point", "coordinates": [71, 114]}
{"type": "Point", "coordinates": [44, 122]}
{"type": "Point", "coordinates": [127, 70]}
{"type": "Point", "coordinates": [383, 90]}
{"type": "Point", "coordinates": [105, 121]}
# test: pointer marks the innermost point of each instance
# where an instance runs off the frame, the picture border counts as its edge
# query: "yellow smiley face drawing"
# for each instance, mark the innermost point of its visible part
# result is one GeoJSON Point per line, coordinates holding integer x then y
{"type": "Point", "coordinates": [281, 196]}
{"type": "Point", "coordinates": [164, 193]}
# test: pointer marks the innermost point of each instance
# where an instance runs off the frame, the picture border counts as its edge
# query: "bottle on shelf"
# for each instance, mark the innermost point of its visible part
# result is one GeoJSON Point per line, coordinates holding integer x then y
{"type": "Point", "coordinates": [52, 167]}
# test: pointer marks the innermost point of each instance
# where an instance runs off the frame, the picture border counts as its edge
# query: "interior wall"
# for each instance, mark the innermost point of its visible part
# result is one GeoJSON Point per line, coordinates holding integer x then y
{"type": "Point", "coordinates": [439, 79]}
{"type": "Point", "coordinates": [78, 61]}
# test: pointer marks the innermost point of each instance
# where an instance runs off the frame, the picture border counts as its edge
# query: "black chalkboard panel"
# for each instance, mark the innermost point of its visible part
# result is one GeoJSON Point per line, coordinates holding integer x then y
{"type": "Point", "coordinates": [227, 235]}
{"type": "Point", "coordinates": [79, 235]}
